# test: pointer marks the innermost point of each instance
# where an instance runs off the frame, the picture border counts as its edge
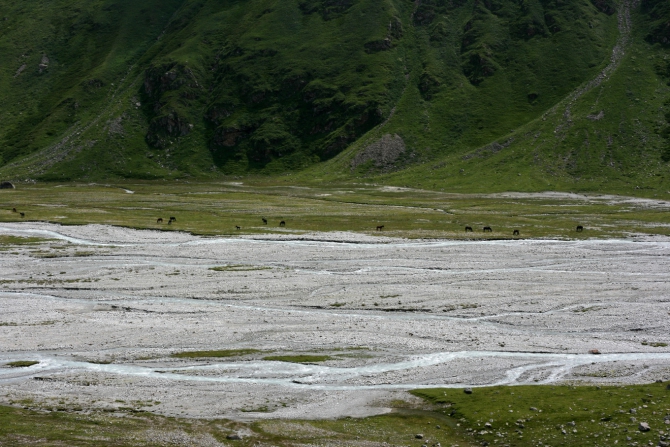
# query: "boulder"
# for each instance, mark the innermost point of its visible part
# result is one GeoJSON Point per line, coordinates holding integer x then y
{"type": "Point", "coordinates": [468, 391]}
{"type": "Point", "coordinates": [644, 426]}
{"type": "Point", "coordinates": [6, 185]}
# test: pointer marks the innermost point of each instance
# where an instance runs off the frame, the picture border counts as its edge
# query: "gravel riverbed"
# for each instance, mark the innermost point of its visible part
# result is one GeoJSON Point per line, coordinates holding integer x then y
{"type": "Point", "coordinates": [103, 309]}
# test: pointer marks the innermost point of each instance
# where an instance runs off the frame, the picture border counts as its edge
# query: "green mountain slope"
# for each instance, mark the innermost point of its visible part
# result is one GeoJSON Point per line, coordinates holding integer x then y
{"type": "Point", "coordinates": [469, 94]}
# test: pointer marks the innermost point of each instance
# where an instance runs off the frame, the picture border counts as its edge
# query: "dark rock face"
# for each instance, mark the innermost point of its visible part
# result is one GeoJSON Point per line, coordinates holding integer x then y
{"type": "Point", "coordinates": [6, 185]}
{"type": "Point", "coordinates": [658, 12]}
{"type": "Point", "coordinates": [606, 6]}
{"type": "Point", "coordinates": [329, 9]}
{"type": "Point", "coordinates": [166, 126]}
{"type": "Point", "coordinates": [160, 84]}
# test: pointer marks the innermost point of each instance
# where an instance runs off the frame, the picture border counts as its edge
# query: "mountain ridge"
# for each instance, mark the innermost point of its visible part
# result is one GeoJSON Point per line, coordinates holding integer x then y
{"type": "Point", "coordinates": [249, 87]}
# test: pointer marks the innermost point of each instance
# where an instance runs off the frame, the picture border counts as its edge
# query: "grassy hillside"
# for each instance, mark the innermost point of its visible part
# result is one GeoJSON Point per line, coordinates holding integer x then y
{"type": "Point", "coordinates": [482, 95]}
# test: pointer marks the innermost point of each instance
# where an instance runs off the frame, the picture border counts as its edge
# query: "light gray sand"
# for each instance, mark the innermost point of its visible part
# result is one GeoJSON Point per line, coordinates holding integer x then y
{"type": "Point", "coordinates": [102, 308]}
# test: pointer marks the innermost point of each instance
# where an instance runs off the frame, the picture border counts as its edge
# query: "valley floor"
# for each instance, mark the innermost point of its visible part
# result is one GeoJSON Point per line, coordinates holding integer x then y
{"type": "Point", "coordinates": [104, 309]}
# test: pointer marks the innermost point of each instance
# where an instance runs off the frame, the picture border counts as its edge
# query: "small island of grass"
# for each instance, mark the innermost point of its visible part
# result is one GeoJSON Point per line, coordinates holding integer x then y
{"type": "Point", "coordinates": [221, 353]}
{"type": "Point", "coordinates": [22, 363]}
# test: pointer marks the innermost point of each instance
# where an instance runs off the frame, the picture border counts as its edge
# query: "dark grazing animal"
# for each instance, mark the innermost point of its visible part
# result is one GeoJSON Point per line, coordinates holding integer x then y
{"type": "Point", "coordinates": [237, 227]}
{"type": "Point", "coordinates": [265, 221]}
{"type": "Point", "coordinates": [515, 233]}
{"type": "Point", "coordinates": [487, 229]}
{"type": "Point", "coordinates": [580, 228]}
{"type": "Point", "coordinates": [282, 223]}
{"type": "Point", "coordinates": [14, 210]}
{"type": "Point", "coordinates": [173, 219]}
{"type": "Point", "coordinates": [468, 229]}
{"type": "Point", "coordinates": [380, 227]}
{"type": "Point", "coordinates": [159, 220]}
{"type": "Point", "coordinates": [23, 214]}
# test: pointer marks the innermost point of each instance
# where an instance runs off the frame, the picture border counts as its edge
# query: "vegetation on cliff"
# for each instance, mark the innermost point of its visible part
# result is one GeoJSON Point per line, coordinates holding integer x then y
{"type": "Point", "coordinates": [570, 94]}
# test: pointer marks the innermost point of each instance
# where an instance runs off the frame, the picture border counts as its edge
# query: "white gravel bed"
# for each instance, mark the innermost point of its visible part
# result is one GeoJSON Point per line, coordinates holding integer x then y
{"type": "Point", "coordinates": [103, 308]}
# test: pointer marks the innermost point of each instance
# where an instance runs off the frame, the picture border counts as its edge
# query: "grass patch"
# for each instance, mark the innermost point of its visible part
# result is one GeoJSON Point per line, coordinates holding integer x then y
{"type": "Point", "coordinates": [209, 209]}
{"type": "Point", "coordinates": [22, 363]}
{"type": "Point", "coordinates": [655, 344]}
{"type": "Point", "coordinates": [554, 415]}
{"type": "Point", "coordinates": [214, 354]}
{"type": "Point", "coordinates": [305, 358]}
{"type": "Point", "coordinates": [20, 240]}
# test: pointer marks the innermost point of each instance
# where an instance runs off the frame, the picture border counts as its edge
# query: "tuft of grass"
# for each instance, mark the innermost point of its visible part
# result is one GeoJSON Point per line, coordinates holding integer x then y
{"type": "Point", "coordinates": [22, 363]}
{"type": "Point", "coordinates": [215, 354]}
{"type": "Point", "coordinates": [303, 358]}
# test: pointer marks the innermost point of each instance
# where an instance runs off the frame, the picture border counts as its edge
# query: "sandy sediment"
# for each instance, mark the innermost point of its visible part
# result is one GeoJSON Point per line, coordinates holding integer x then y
{"type": "Point", "coordinates": [103, 308]}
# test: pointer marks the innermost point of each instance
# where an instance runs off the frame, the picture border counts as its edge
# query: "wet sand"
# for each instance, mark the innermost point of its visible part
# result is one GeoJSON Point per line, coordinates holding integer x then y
{"type": "Point", "coordinates": [103, 308]}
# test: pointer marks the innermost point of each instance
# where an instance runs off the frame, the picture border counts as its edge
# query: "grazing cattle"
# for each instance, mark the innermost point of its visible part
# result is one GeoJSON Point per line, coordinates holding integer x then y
{"type": "Point", "coordinates": [169, 222]}
{"type": "Point", "coordinates": [159, 220]}
{"type": "Point", "coordinates": [468, 229]}
{"type": "Point", "coordinates": [23, 214]}
{"type": "Point", "coordinates": [237, 227]}
{"type": "Point", "coordinates": [515, 233]}
{"type": "Point", "coordinates": [14, 210]}
{"type": "Point", "coordinates": [265, 221]}
{"type": "Point", "coordinates": [282, 223]}
{"type": "Point", "coordinates": [487, 229]}
{"type": "Point", "coordinates": [173, 219]}
{"type": "Point", "coordinates": [380, 227]}
{"type": "Point", "coordinates": [580, 228]}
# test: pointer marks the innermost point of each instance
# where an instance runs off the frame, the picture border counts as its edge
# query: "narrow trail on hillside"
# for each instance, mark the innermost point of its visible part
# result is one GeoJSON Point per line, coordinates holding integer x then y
{"type": "Point", "coordinates": [625, 26]}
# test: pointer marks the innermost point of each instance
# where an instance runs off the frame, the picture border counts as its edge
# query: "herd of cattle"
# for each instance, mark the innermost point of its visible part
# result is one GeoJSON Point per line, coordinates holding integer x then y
{"type": "Point", "coordinates": [468, 229]}
{"type": "Point", "coordinates": [282, 223]}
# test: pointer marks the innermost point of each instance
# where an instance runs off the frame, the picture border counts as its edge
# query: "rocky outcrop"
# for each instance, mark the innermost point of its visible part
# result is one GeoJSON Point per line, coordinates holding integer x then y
{"type": "Point", "coordinates": [165, 122]}
{"type": "Point", "coordinates": [163, 128]}
{"type": "Point", "coordinates": [44, 63]}
{"type": "Point", "coordinates": [329, 9]}
{"type": "Point", "coordinates": [394, 33]}
{"type": "Point", "coordinates": [20, 70]}
{"type": "Point", "coordinates": [228, 136]}
{"type": "Point", "coordinates": [6, 185]}
{"type": "Point", "coordinates": [383, 153]}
